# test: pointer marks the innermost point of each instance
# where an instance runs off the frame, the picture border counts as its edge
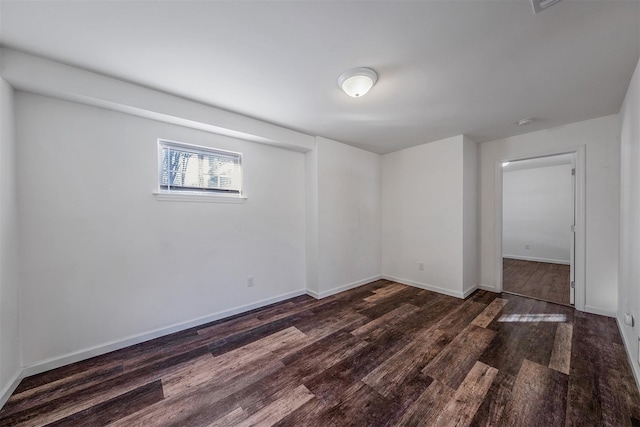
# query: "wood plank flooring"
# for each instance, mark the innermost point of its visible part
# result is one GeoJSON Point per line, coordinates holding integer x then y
{"type": "Point", "coordinates": [540, 280]}
{"type": "Point", "coordinates": [380, 355]}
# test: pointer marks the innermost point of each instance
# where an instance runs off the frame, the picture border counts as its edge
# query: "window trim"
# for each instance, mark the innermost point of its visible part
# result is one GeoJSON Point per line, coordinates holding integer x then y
{"type": "Point", "coordinates": [194, 195]}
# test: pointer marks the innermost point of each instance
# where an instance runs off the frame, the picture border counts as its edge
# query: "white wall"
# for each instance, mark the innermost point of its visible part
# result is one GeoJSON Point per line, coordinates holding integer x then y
{"type": "Point", "coordinates": [537, 211]}
{"type": "Point", "coordinates": [343, 184]}
{"type": "Point", "coordinates": [629, 291]}
{"type": "Point", "coordinates": [311, 205]}
{"type": "Point", "coordinates": [470, 215]}
{"type": "Point", "coordinates": [9, 334]}
{"type": "Point", "coordinates": [423, 215]}
{"type": "Point", "coordinates": [600, 137]}
{"type": "Point", "coordinates": [102, 260]}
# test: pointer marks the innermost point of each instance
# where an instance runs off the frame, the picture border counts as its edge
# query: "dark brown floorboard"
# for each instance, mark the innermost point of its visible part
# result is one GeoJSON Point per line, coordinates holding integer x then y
{"type": "Point", "coordinates": [380, 355]}
{"type": "Point", "coordinates": [540, 280]}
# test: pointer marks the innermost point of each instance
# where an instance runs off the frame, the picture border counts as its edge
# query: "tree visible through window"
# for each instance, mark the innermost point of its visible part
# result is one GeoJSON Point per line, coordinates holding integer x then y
{"type": "Point", "coordinates": [186, 167]}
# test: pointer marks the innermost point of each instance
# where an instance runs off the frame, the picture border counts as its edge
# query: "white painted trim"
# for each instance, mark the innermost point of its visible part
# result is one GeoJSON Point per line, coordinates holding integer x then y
{"type": "Point", "coordinates": [580, 248]}
{"type": "Point", "coordinates": [425, 286]}
{"type": "Point", "coordinates": [468, 292]}
{"type": "Point", "coordinates": [630, 353]}
{"type": "Point", "coordinates": [6, 392]}
{"type": "Point", "coordinates": [497, 202]}
{"type": "Point", "coordinates": [187, 196]}
{"type": "Point", "coordinates": [530, 258]}
{"type": "Point", "coordinates": [488, 288]}
{"type": "Point", "coordinates": [599, 311]}
{"type": "Point", "coordinates": [313, 294]}
{"type": "Point", "coordinates": [338, 289]}
{"type": "Point", "coordinates": [98, 350]}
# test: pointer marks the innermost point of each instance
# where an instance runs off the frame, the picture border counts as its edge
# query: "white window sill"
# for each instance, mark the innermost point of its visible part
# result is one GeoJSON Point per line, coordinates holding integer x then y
{"type": "Point", "coordinates": [162, 196]}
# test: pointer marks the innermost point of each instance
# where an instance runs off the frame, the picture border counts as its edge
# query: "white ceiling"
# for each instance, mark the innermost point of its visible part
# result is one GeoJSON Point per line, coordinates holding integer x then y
{"type": "Point", "coordinates": [445, 67]}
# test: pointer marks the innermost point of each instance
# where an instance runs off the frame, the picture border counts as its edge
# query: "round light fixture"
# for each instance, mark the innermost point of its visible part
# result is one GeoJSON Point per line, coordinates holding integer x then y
{"type": "Point", "coordinates": [357, 81]}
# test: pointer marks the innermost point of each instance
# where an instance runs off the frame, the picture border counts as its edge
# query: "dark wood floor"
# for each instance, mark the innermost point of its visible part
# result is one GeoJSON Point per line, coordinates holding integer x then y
{"type": "Point", "coordinates": [541, 280]}
{"type": "Point", "coordinates": [382, 354]}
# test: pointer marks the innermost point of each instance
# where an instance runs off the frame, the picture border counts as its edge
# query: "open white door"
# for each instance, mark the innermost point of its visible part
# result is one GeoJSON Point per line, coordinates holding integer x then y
{"type": "Point", "coordinates": [572, 266]}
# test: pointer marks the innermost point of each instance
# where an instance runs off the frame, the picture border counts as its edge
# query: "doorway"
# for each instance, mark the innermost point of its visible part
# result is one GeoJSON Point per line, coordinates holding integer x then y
{"type": "Point", "coordinates": [538, 227]}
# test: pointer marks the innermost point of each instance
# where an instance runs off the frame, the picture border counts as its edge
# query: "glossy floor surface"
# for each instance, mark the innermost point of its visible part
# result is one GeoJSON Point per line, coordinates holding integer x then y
{"type": "Point", "coordinates": [540, 280]}
{"type": "Point", "coordinates": [382, 354]}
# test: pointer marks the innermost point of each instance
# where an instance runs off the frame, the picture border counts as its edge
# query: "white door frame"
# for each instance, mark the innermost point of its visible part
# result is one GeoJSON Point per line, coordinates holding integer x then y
{"type": "Point", "coordinates": [580, 249]}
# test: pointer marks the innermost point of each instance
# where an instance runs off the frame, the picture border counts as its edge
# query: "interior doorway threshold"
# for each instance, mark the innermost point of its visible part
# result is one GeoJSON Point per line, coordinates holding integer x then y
{"type": "Point", "coordinates": [538, 299]}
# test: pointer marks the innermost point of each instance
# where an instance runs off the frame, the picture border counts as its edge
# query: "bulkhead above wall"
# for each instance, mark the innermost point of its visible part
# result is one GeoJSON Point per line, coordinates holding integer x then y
{"type": "Point", "coordinates": [45, 77]}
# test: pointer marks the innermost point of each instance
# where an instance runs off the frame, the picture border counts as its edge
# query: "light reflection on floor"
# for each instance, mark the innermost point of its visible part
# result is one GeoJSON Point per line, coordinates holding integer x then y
{"type": "Point", "coordinates": [533, 318]}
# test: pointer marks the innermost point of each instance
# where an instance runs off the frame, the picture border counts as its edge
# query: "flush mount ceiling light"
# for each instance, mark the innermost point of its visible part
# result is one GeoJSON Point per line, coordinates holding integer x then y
{"type": "Point", "coordinates": [357, 81]}
{"type": "Point", "coordinates": [540, 5]}
{"type": "Point", "coordinates": [524, 122]}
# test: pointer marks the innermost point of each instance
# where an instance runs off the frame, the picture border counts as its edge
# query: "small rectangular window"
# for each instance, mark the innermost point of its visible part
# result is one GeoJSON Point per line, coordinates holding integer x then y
{"type": "Point", "coordinates": [189, 168]}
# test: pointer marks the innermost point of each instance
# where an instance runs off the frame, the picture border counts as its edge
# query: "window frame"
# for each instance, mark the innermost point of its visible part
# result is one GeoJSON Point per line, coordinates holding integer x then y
{"type": "Point", "coordinates": [195, 195]}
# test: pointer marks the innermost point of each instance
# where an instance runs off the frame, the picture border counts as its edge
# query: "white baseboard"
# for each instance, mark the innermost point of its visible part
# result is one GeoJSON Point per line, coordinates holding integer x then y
{"type": "Point", "coordinates": [313, 294]}
{"type": "Point", "coordinates": [338, 289]}
{"type": "Point", "coordinates": [5, 393]}
{"type": "Point", "coordinates": [56, 362]}
{"type": "Point", "coordinates": [630, 353]}
{"type": "Point", "coordinates": [427, 287]}
{"type": "Point", "coordinates": [599, 311]}
{"type": "Point", "coordinates": [528, 258]}
{"type": "Point", "coordinates": [490, 288]}
{"type": "Point", "coordinates": [469, 291]}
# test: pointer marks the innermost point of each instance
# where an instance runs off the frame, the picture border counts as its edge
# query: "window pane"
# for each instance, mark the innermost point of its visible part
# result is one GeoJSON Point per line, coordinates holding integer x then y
{"type": "Point", "coordinates": [199, 170]}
